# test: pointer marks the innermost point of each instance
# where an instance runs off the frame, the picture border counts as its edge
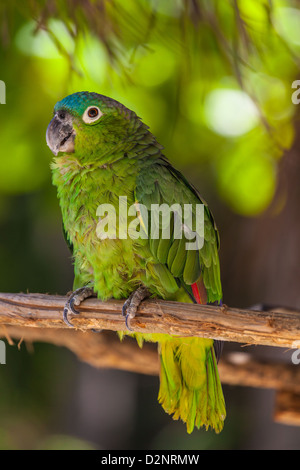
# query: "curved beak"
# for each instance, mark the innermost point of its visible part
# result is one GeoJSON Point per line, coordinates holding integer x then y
{"type": "Point", "coordinates": [60, 135]}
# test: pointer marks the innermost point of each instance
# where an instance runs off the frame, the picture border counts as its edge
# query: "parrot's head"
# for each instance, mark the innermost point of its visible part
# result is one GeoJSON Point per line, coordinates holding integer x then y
{"type": "Point", "coordinates": [90, 124]}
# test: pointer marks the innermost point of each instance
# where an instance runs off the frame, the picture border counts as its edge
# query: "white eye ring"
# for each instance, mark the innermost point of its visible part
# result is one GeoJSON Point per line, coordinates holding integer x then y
{"type": "Point", "coordinates": [91, 114]}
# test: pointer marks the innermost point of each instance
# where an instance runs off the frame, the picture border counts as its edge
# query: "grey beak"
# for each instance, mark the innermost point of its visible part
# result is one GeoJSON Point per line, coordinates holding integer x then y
{"type": "Point", "coordinates": [60, 135]}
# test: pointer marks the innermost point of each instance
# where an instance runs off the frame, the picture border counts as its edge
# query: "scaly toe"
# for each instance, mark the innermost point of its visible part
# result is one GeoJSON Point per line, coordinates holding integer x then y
{"type": "Point", "coordinates": [75, 299]}
{"type": "Point", "coordinates": [131, 312]}
{"type": "Point", "coordinates": [132, 304]}
{"type": "Point", "coordinates": [65, 317]}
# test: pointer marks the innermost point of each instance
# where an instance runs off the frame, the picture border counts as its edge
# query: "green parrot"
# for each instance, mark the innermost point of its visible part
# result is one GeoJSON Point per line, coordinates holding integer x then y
{"type": "Point", "coordinates": [105, 154]}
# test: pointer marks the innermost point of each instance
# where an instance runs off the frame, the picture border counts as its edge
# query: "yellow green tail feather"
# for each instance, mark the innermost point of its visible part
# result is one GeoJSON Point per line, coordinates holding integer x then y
{"type": "Point", "coordinates": [190, 388]}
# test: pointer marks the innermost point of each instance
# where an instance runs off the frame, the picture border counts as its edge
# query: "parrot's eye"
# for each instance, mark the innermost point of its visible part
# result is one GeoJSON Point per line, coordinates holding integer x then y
{"type": "Point", "coordinates": [91, 114]}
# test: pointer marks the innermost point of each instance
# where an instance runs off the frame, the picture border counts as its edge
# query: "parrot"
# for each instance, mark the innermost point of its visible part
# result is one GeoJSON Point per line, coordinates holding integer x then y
{"type": "Point", "coordinates": [103, 152]}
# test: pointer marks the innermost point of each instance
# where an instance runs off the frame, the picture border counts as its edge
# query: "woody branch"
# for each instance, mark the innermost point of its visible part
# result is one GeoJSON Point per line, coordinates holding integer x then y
{"type": "Point", "coordinates": [277, 327]}
{"type": "Point", "coordinates": [38, 318]}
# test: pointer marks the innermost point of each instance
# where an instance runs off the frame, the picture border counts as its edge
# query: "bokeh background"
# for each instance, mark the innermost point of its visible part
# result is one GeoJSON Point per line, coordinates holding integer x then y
{"type": "Point", "coordinates": [213, 80]}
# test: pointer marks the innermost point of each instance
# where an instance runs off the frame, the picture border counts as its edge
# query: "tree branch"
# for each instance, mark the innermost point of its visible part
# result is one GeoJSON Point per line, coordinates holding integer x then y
{"type": "Point", "coordinates": [38, 318]}
{"type": "Point", "coordinates": [105, 350]}
{"type": "Point", "coordinates": [279, 327]}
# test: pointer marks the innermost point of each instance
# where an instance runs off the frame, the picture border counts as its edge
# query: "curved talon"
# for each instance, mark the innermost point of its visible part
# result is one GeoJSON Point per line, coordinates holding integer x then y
{"type": "Point", "coordinates": [69, 308]}
{"type": "Point", "coordinates": [127, 322]}
{"type": "Point", "coordinates": [71, 305]}
{"type": "Point", "coordinates": [65, 318]}
{"type": "Point", "coordinates": [127, 325]}
{"type": "Point", "coordinates": [75, 299]}
{"type": "Point", "coordinates": [131, 305]}
{"type": "Point", "coordinates": [124, 308]}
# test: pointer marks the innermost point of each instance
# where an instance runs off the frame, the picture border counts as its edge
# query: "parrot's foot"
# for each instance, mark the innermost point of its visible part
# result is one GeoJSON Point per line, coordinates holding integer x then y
{"type": "Point", "coordinates": [132, 304]}
{"type": "Point", "coordinates": [75, 299]}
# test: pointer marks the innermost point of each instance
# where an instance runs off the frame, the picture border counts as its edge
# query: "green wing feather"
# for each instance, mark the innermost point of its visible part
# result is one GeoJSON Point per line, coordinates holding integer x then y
{"type": "Point", "coordinates": [190, 387]}
{"type": "Point", "coordinates": [161, 183]}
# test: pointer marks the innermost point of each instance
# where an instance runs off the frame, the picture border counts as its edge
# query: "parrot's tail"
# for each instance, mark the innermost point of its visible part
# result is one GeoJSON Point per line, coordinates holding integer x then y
{"type": "Point", "coordinates": [190, 387]}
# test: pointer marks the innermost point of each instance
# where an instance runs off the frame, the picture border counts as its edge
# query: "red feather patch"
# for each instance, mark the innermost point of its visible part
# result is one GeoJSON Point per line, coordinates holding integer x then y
{"type": "Point", "coordinates": [199, 292]}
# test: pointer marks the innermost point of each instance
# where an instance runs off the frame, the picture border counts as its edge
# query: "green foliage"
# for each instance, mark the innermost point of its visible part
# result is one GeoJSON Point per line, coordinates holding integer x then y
{"type": "Point", "coordinates": [212, 79]}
